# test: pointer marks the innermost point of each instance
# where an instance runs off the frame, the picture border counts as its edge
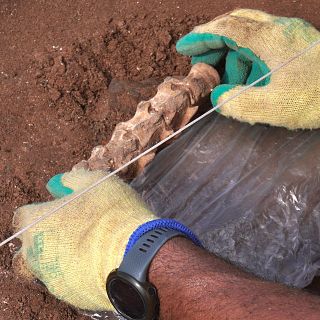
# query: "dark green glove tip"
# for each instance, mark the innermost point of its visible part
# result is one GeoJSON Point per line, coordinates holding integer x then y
{"type": "Point", "coordinates": [218, 92]}
{"type": "Point", "coordinates": [212, 57]}
{"type": "Point", "coordinates": [199, 43]}
{"type": "Point", "coordinates": [56, 188]}
{"type": "Point", "coordinates": [186, 44]}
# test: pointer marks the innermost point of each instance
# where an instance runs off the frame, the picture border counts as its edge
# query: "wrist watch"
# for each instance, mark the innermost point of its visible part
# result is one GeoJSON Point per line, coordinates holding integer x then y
{"type": "Point", "coordinates": [127, 287]}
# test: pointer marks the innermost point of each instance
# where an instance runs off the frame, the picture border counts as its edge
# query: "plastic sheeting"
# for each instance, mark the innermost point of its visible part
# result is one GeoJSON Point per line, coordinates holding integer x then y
{"type": "Point", "coordinates": [251, 193]}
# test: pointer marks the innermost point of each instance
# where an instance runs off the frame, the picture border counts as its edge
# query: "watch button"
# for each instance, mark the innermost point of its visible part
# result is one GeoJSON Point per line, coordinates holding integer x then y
{"type": "Point", "coordinates": [152, 291]}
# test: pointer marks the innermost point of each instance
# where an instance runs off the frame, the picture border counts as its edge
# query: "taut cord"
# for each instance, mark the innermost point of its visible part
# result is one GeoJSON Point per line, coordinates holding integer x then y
{"type": "Point", "coordinates": [245, 88]}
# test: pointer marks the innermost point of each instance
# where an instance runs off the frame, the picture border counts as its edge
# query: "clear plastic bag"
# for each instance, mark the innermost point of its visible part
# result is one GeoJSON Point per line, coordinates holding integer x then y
{"type": "Point", "coordinates": [251, 193]}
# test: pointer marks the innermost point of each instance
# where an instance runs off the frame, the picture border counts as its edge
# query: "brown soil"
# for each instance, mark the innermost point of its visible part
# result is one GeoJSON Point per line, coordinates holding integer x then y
{"type": "Point", "coordinates": [57, 59]}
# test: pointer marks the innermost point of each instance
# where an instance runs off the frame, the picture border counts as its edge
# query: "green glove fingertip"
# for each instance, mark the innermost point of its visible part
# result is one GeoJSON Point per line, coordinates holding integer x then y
{"type": "Point", "coordinates": [199, 43]}
{"type": "Point", "coordinates": [237, 68]}
{"type": "Point", "coordinates": [56, 187]}
{"type": "Point", "coordinates": [218, 92]}
{"type": "Point", "coordinates": [211, 57]}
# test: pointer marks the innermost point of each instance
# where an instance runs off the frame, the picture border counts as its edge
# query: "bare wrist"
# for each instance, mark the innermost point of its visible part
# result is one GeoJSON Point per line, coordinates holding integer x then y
{"type": "Point", "coordinates": [168, 274]}
{"type": "Point", "coordinates": [193, 284]}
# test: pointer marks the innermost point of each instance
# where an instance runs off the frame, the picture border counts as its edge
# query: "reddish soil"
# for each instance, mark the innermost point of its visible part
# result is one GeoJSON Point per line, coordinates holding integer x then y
{"type": "Point", "coordinates": [57, 59]}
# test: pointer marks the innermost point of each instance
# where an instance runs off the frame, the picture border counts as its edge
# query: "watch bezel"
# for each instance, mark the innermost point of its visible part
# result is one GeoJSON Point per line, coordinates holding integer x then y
{"type": "Point", "coordinates": [147, 292]}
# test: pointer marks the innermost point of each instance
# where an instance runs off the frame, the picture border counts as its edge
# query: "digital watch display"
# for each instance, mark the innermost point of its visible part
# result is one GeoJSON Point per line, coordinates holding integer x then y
{"type": "Point", "coordinates": [128, 288]}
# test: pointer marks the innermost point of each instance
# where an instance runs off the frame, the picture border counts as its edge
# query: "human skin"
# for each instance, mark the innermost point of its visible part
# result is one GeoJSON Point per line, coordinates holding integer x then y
{"type": "Point", "coordinates": [193, 284]}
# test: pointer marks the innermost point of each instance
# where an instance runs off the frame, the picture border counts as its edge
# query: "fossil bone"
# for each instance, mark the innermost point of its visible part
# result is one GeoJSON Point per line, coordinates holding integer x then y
{"type": "Point", "coordinates": [171, 108]}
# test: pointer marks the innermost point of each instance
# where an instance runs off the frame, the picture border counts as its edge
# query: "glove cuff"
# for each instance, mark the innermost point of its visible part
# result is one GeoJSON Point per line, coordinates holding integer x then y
{"type": "Point", "coordinates": [161, 223]}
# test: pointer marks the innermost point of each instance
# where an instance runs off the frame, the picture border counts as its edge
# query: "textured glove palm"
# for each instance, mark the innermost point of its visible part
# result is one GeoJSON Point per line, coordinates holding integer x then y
{"type": "Point", "coordinates": [253, 43]}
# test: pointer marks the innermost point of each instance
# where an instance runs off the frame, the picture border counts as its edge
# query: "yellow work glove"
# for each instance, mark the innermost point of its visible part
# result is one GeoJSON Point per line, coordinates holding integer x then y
{"type": "Point", "coordinates": [252, 43]}
{"type": "Point", "coordinates": [73, 251]}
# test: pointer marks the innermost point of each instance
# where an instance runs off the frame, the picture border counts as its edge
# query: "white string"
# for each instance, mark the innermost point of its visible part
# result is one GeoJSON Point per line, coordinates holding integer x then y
{"type": "Point", "coordinates": [245, 88]}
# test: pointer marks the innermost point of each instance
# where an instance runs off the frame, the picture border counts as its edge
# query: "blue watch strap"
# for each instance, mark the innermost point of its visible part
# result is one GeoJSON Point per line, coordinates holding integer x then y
{"type": "Point", "coordinates": [137, 260]}
{"type": "Point", "coordinates": [160, 223]}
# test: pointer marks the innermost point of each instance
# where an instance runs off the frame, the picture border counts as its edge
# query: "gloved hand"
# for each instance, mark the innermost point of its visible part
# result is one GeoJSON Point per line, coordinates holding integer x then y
{"type": "Point", "coordinates": [254, 42]}
{"type": "Point", "coordinates": [73, 251]}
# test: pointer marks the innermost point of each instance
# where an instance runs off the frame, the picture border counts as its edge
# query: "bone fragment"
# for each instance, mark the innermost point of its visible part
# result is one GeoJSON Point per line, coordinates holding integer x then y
{"type": "Point", "coordinates": [171, 108]}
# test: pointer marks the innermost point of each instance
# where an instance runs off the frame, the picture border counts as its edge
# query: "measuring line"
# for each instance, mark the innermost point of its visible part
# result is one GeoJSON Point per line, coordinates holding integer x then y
{"type": "Point", "coordinates": [245, 88]}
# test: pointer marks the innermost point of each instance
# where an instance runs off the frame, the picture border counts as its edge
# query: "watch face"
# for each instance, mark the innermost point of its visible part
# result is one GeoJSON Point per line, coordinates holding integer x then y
{"type": "Point", "coordinates": [126, 298]}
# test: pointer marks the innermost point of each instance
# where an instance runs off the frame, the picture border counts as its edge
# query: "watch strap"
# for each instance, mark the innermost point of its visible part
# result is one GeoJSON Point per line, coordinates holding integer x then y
{"type": "Point", "coordinates": [160, 223]}
{"type": "Point", "coordinates": [137, 260]}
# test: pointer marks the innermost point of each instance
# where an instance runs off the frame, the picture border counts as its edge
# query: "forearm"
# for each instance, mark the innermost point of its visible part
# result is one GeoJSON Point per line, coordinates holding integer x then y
{"type": "Point", "coordinates": [193, 284]}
